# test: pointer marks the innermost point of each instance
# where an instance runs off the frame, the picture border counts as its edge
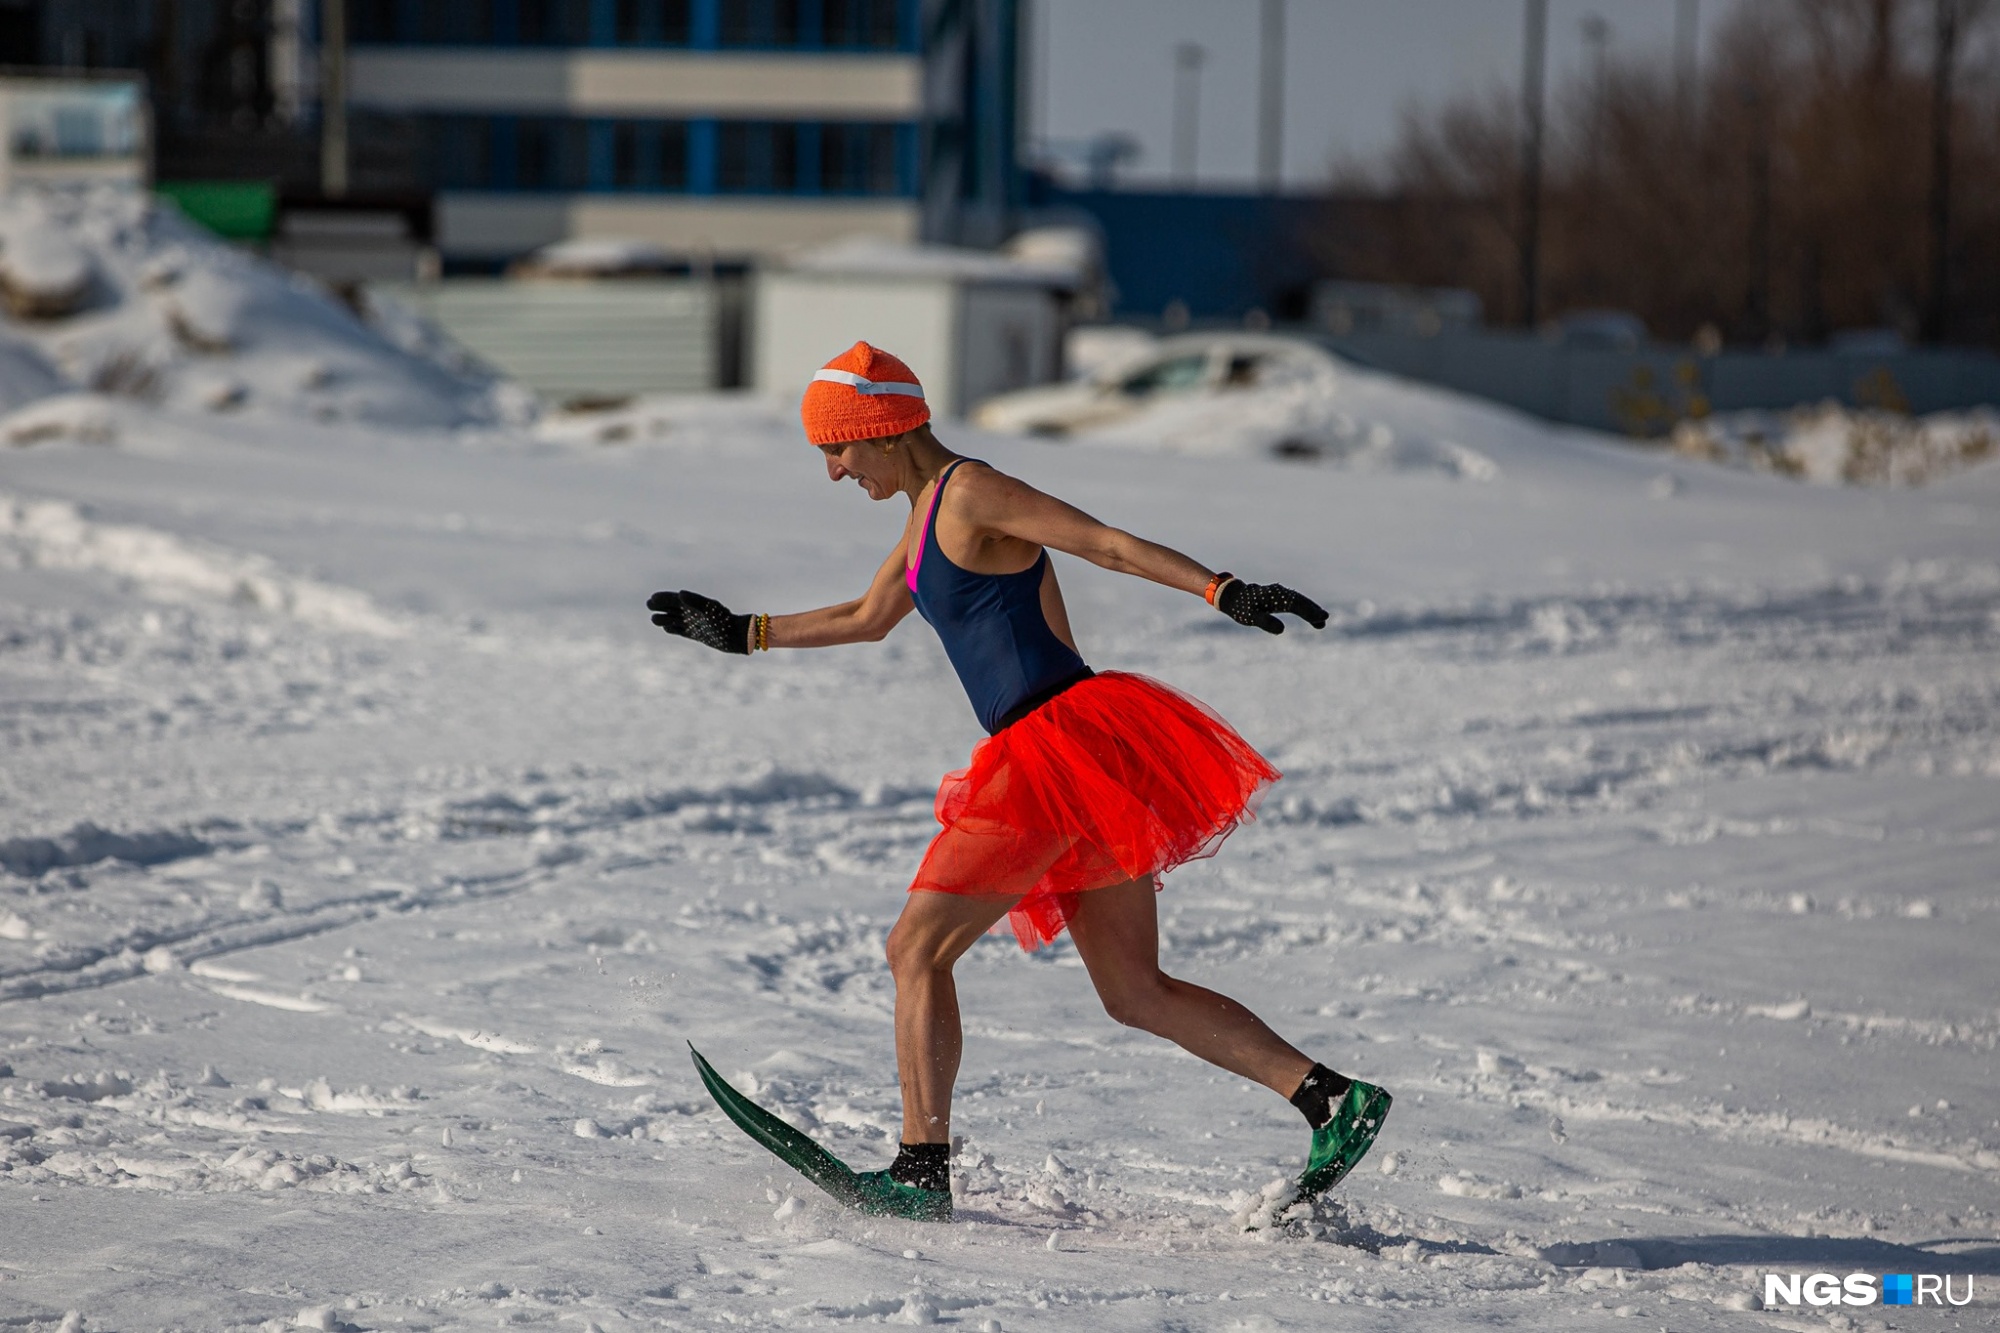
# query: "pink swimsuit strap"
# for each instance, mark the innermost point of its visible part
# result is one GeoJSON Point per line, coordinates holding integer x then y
{"type": "Point", "coordinates": [923, 533]}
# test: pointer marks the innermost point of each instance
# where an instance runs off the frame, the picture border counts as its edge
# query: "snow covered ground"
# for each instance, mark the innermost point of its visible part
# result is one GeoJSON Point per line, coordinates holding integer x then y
{"type": "Point", "coordinates": [367, 860]}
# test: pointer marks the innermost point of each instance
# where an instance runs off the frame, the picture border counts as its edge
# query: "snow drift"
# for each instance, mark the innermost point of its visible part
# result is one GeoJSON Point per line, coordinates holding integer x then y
{"type": "Point", "coordinates": [164, 314]}
{"type": "Point", "coordinates": [1833, 444]}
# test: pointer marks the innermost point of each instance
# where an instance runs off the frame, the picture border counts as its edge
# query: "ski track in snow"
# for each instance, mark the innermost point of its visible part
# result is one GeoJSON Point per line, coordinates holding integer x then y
{"type": "Point", "coordinates": [1656, 909]}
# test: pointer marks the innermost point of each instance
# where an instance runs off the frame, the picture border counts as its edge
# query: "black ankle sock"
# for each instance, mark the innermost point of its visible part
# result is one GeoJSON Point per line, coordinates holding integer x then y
{"type": "Point", "coordinates": [924, 1165]}
{"type": "Point", "coordinates": [1318, 1094]}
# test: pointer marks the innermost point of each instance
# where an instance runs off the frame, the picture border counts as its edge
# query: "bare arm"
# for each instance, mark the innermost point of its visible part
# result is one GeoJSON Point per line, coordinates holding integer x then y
{"type": "Point", "coordinates": [1000, 503]}
{"type": "Point", "coordinates": [866, 619]}
{"type": "Point", "coordinates": [1015, 509]}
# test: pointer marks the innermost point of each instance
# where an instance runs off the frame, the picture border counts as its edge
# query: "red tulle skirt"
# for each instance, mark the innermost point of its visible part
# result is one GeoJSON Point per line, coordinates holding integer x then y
{"type": "Point", "coordinates": [1117, 778]}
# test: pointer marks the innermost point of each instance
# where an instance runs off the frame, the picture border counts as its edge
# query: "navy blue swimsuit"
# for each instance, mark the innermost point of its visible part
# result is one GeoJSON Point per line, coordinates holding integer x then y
{"type": "Point", "coordinates": [992, 627]}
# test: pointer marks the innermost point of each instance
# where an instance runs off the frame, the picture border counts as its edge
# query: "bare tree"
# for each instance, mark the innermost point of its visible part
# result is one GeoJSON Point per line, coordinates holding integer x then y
{"type": "Point", "coordinates": [1839, 168]}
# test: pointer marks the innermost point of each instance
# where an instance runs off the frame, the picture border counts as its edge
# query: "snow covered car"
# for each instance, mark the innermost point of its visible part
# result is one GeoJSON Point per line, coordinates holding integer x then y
{"type": "Point", "coordinates": [1246, 394]}
{"type": "Point", "coordinates": [1188, 366]}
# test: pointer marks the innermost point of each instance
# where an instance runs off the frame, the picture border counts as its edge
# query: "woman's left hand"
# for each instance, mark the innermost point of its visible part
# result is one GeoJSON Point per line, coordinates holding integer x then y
{"type": "Point", "coordinates": [1259, 604]}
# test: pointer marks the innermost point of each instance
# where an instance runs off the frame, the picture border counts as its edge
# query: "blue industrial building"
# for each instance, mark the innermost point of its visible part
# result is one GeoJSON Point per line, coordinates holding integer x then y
{"type": "Point", "coordinates": [1178, 254]}
{"type": "Point", "coordinates": [715, 128]}
{"type": "Point", "coordinates": [720, 130]}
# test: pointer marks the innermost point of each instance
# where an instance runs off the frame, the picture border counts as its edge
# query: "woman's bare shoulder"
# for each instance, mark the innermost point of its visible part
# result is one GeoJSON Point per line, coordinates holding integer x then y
{"type": "Point", "coordinates": [979, 483]}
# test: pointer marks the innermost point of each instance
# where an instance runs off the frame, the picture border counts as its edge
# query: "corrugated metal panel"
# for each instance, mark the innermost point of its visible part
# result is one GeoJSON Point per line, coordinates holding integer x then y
{"type": "Point", "coordinates": [563, 339]}
{"type": "Point", "coordinates": [1605, 389]}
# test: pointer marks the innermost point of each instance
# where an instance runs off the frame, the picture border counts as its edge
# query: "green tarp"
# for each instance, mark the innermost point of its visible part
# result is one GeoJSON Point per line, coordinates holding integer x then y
{"type": "Point", "coordinates": [239, 210]}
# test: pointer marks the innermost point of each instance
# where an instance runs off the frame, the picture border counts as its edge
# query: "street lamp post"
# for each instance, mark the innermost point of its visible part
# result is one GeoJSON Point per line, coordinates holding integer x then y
{"type": "Point", "coordinates": [333, 98]}
{"type": "Point", "coordinates": [1271, 96]}
{"type": "Point", "coordinates": [1188, 58]}
{"type": "Point", "coordinates": [1531, 159]}
{"type": "Point", "coordinates": [1937, 309]}
{"type": "Point", "coordinates": [1687, 48]}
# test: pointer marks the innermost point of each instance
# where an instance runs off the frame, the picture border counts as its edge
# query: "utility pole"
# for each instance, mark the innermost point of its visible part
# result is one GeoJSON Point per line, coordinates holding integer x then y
{"type": "Point", "coordinates": [1036, 48]}
{"type": "Point", "coordinates": [1597, 36]}
{"type": "Point", "coordinates": [333, 98]}
{"type": "Point", "coordinates": [1758, 298]}
{"type": "Point", "coordinates": [1188, 57]}
{"type": "Point", "coordinates": [1531, 159]}
{"type": "Point", "coordinates": [1938, 308]}
{"type": "Point", "coordinates": [1687, 57]}
{"type": "Point", "coordinates": [1271, 97]}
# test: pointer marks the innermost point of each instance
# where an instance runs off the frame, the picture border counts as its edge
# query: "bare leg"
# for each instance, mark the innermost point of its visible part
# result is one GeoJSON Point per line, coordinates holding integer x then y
{"type": "Point", "coordinates": [1117, 933]}
{"type": "Point", "coordinates": [934, 930]}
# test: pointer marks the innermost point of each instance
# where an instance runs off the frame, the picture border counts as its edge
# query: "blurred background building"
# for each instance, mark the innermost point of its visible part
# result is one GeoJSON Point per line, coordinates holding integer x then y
{"type": "Point", "coordinates": [1787, 199]}
{"type": "Point", "coordinates": [715, 130]}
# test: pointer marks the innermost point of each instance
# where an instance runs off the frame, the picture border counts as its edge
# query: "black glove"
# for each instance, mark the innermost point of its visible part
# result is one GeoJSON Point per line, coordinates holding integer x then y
{"type": "Point", "coordinates": [702, 619]}
{"type": "Point", "coordinates": [1258, 604]}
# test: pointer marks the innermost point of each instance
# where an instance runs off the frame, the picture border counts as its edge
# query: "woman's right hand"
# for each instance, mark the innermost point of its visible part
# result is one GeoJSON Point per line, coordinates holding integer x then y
{"type": "Point", "coordinates": [703, 619]}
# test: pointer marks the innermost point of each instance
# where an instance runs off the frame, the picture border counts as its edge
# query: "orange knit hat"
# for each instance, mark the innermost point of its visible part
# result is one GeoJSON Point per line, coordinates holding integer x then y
{"type": "Point", "coordinates": [862, 394]}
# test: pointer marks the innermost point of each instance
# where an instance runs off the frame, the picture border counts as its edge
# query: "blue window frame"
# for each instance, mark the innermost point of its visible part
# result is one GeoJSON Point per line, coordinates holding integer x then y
{"type": "Point", "coordinates": [757, 157]}
{"type": "Point", "coordinates": [858, 158]}
{"type": "Point", "coordinates": [462, 151]}
{"type": "Point", "coordinates": [872, 25]}
{"type": "Point", "coordinates": [652, 22]}
{"type": "Point", "coordinates": [824, 25]}
{"type": "Point", "coordinates": [372, 20]}
{"type": "Point", "coordinates": [646, 155]}
{"type": "Point", "coordinates": [909, 160]}
{"type": "Point", "coordinates": [551, 153]}
{"type": "Point", "coordinates": [456, 23]}
{"type": "Point", "coordinates": [550, 22]}
{"type": "Point", "coordinates": [759, 23]}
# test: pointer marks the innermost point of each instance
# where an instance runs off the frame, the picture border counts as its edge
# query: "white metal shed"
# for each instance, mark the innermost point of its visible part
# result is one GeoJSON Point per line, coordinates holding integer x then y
{"type": "Point", "coordinates": [970, 323]}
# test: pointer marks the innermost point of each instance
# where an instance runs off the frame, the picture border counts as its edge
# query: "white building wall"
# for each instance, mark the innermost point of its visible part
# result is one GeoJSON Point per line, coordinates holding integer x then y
{"type": "Point", "coordinates": [725, 227]}
{"type": "Point", "coordinates": [734, 228]}
{"type": "Point", "coordinates": [720, 83]}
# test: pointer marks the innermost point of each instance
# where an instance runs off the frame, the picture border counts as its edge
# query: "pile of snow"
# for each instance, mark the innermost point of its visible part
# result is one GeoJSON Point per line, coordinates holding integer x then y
{"type": "Point", "coordinates": [869, 256]}
{"type": "Point", "coordinates": [86, 418]}
{"type": "Point", "coordinates": [691, 423]}
{"type": "Point", "coordinates": [405, 328]}
{"type": "Point", "coordinates": [43, 272]}
{"type": "Point", "coordinates": [25, 373]}
{"type": "Point", "coordinates": [1306, 414]}
{"type": "Point", "coordinates": [1097, 347]}
{"type": "Point", "coordinates": [168, 315]}
{"type": "Point", "coordinates": [1078, 250]}
{"type": "Point", "coordinates": [1234, 394]}
{"type": "Point", "coordinates": [1833, 444]}
{"type": "Point", "coordinates": [54, 534]}
{"type": "Point", "coordinates": [599, 257]}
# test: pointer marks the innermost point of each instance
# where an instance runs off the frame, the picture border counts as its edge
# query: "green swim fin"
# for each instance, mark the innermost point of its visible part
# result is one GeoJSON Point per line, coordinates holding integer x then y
{"type": "Point", "coordinates": [871, 1192]}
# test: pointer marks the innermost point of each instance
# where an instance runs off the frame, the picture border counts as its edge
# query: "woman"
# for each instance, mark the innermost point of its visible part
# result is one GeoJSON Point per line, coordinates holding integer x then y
{"type": "Point", "coordinates": [1088, 789]}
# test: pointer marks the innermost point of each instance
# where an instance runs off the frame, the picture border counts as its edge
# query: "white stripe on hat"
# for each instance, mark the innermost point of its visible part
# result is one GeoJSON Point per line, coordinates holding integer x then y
{"type": "Point", "coordinates": [861, 385]}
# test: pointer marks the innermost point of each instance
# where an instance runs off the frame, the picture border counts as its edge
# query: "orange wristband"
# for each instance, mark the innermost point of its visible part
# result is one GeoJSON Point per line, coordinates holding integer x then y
{"type": "Point", "coordinates": [1215, 586]}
